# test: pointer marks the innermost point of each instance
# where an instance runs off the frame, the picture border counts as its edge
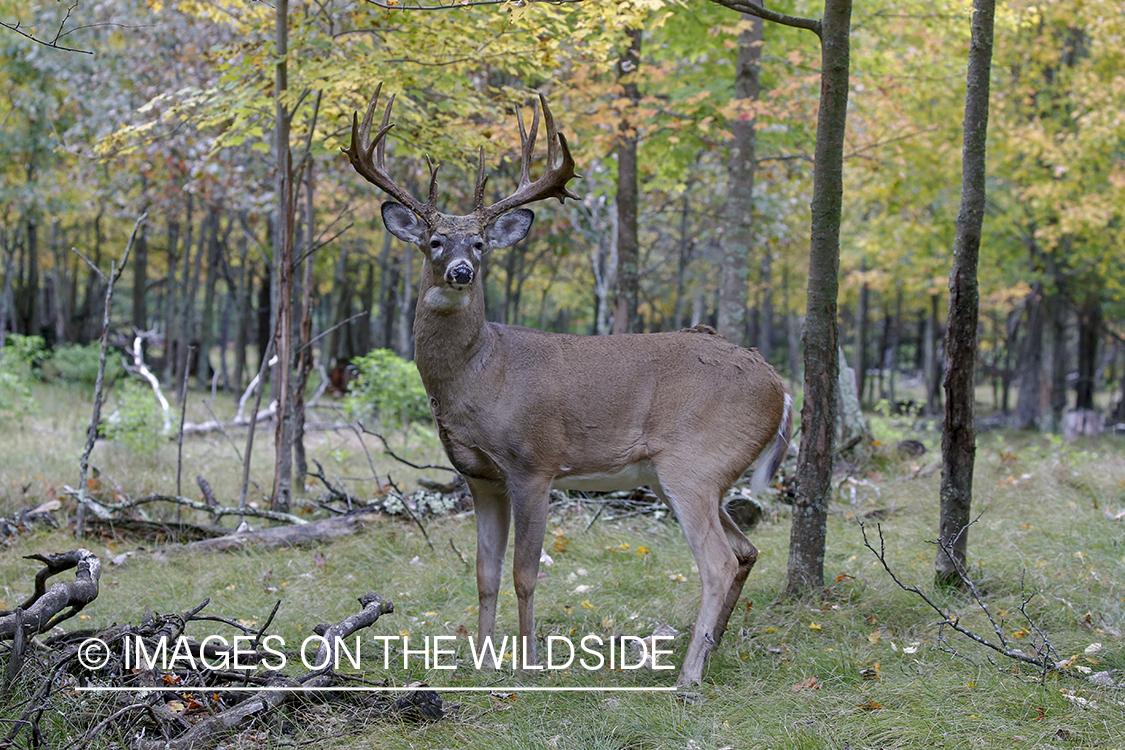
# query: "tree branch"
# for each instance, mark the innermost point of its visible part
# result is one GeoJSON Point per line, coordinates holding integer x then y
{"type": "Point", "coordinates": [797, 22]}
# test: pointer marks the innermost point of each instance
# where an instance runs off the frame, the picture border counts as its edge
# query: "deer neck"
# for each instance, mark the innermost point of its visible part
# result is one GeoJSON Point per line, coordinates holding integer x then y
{"type": "Point", "coordinates": [450, 333]}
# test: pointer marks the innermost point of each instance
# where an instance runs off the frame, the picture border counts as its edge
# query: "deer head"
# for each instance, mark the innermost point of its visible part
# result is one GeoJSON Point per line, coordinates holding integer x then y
{"type": "Point", "coordinates": [454, 245]}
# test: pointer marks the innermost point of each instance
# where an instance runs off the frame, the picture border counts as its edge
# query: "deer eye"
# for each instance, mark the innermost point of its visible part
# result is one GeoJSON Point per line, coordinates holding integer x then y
{"type": "Point", "coordinates": [478, 245]}
{"type": "Point", "coordinates": [435, 244]}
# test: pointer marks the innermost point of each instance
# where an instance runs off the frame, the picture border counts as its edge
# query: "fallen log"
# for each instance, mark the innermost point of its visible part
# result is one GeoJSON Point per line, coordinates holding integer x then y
{"type": "Point", "coordinates": [313, 532]}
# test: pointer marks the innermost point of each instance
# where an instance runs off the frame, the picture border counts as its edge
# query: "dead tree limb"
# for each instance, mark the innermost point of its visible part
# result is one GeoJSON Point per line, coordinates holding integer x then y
{"type": "Point", "coordinates": [313, 532]}
{"type": "Point", "coordinates": [217, 512]}
{"type": "Point", "coordinates": [45, 608]}
{"type": "Point", "coordinates": [99, 381]}
{"type": "Point", "coordinates": [1044, 659]}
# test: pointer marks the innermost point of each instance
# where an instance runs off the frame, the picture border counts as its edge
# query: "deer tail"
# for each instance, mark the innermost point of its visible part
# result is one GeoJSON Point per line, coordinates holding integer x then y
{"type": "Point", "coordinates": [774, 453]}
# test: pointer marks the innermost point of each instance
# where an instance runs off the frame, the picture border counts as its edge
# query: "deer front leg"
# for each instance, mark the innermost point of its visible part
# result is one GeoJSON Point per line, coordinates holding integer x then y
{"type": "Point", "coordinates": [492, 510]}
{"type": "Point", "coordinates": [529, 506]}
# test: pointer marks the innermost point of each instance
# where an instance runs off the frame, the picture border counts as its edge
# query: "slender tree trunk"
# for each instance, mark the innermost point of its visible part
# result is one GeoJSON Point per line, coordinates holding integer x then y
{"type": "Point", "coordinates": [366, 302]}
{"type": "Point", "coordinates": [738, 234]}
{"type": "Point", "coordinates": [628, 246]}
{"type": "Point", "coordinates": [207, 322]}
{"type": "Point", "coordinates": [765, 311]}
{"type": "Point", "coordinates": [167, 304]}
{"type": "Point", "coordinates": [305, 352]}
{"type": "Point", "coordinates": [685, 246]}
{"type": "Point", "coordinates": [283, 256]}
{"type": "Point", "coordinates": [821, 337]}
{"type": "Point", "coordinates": [1058, 359]}
{"type": "Point", "coordinates": [862, 333]}
{"type": "Point", "coordinates": [931, 371]}
{"type": "Point", "coordinates": [405, 308]}
{"type": "Point", "coordinates": [385, 315]}
{"type": "Point", "coordinates": [958, 443]}
{"type": "Point", "coordinates": [1031, 363]}
{"type": "Point", "coordinates": [1089, 331]}
{"type": "Point", "coordinates": [140, 280]}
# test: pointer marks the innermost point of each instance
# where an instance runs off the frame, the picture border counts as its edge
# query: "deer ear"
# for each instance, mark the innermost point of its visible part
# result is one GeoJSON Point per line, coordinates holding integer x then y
{"type": "Point", "coordinates": [510, 228]}
{"type": "Point", "coordinates": [403, 223]}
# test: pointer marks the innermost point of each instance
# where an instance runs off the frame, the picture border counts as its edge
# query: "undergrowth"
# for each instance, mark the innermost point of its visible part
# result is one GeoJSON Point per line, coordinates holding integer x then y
{"type": "Point", "coordinates": [859, 666]}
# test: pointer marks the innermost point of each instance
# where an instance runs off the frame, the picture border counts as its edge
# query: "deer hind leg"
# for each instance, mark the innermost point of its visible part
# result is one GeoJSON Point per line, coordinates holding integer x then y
{"type": "Point", "coordinates": [698, 511]}
{"type": "Point", "coordinates": [529, 498]}
{"type": "Point", "coordinates": [746, 554]}
{"type": "Point", "coordinates": [492, 511]}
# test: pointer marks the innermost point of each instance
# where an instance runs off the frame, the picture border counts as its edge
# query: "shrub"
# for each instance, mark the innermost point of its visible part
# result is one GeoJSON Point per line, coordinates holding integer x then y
{"type": "Point", "coordinates": [75, 363]}
{"type": "Point", "coordinates": [389, 389]}
{"type": "Point", "coordinates": [17, 358]}
{"type": "Point", "coordinates": [138, 422]}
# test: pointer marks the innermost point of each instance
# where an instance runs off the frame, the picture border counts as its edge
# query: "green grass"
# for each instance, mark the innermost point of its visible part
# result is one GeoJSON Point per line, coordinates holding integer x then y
{"type": "Point", "coordinates": [882, 681]}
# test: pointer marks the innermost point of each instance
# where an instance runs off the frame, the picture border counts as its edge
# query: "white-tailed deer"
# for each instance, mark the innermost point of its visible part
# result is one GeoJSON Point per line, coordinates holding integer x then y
{"type": "Point", "coordinates": [520, 411]}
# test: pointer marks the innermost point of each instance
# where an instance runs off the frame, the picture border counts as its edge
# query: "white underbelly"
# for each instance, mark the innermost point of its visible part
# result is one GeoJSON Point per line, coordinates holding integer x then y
{"type": "Point", "coordinates": [632, 476]}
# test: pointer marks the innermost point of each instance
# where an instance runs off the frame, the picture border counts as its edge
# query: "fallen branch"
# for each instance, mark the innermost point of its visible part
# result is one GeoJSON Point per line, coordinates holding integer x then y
{"type": "Point", "coordinates": [142, 369]}
{"type": "Point", "coordinates": [217, 511]}
{"type": "Point", "coordinates": [1045, 660]}
{"type": "Point", "coordinates": [313, 532]}
{"type": "Point", "coordinates": [45, 607]}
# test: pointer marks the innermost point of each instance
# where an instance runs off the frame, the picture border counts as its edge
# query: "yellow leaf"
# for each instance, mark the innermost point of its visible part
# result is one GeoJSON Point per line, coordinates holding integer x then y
{"type": "Point", "coordinates": [586, 604]}
{"type": "Point", "coordinates": [813, 626]}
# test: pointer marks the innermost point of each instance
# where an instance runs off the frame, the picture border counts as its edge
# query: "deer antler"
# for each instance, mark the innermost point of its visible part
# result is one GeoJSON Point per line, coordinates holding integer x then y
{"type": "Point", "coordinates": [553, 182]}
{"type": "Point", "coordinates": [362, 148]}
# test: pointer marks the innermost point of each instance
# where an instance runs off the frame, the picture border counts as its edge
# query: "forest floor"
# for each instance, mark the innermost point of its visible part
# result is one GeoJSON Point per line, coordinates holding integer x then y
{"type": "Point", "coordinates": [860, 667]}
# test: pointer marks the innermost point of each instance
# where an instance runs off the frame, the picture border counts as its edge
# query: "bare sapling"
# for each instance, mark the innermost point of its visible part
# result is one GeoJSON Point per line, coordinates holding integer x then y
{"type": "Point", "coordinates": [99, 381]}
{"type": "Point", "coordinates": [519, 411]}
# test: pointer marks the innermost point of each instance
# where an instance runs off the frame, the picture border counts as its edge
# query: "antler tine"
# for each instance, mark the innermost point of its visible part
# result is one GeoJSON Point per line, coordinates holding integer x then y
{"type": "Point", "coordinates": [365, 129]}
{"type": "Point", "coordinates": [555, 176]}
{"type": "Point", "coordinates": [380, 151]}
{"type": "Point", "coordinates": [482, 180]}
{"type": "Point", "coordinates": [433, 182]}
{"type": "Point", "coordinates": [529, 151]}
{"type": "Point", "coordinates": [552, 132]}
{"type": "Point", "coordinates": [361, 150]}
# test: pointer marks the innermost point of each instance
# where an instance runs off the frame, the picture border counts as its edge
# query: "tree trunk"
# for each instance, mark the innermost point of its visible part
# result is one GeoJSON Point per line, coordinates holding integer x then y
{"type": "Point", "coordinates": [283, 262]}
{"type": "Point", "coordinates": [207, 321]}
{"type": "Point", "coordinates": [140, 280]}
{"type": "Point", "coordinates": [305, 351]}
{"type": "Point", "coordinates": [685, 246]}
{"type": "Point", "coordinates": [1059, 363]}
{"type": "Point", "coordinates": [862, 333]}
{"type": "Point", "coordinates": [1030, 363]}
{"type": "Point", "coordinates": [1089, 331]}
{"type": "Point", "coordinates": [168, 300]}
{"type": "Point", "coordinates": [628, 282]}
{"type": "Point", "coordinates": [765, 310]}
{"type": "Point", "coordinates": [958, 443]}
{"type": "Point", "coordinates": [405, 308]}
{"type": "Point", "coordinates": [821, 337]}
{"type": "Point", "coordinates": [738, 234]}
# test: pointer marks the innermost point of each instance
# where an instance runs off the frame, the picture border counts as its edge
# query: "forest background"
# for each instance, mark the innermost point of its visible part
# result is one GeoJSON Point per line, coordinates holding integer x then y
{"type": "Point", "coordinates": [168, 108]}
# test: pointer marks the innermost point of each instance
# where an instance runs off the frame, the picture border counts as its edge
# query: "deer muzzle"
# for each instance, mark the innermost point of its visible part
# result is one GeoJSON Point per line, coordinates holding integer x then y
{"type": "Point", "coordinates": [459, 274]}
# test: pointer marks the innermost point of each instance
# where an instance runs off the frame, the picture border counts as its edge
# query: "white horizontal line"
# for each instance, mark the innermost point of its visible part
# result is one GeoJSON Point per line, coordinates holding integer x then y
{"type": "Point", "coordinates": [373, 689]}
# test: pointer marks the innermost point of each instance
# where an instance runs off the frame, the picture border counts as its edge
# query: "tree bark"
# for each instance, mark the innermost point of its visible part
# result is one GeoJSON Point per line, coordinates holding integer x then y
{"type": "Point", "coordinates": [283, 261]}
{"type": "Point", "coordinates": [738, 235]}
{"type": "Point", "coordinates": [1030, 363]}
{"type": "Point", "coordinates": [628, 281]}
{"type": "Point", "coordinates": [821, 337]}
{"type": "Point", "coordinates": [1089, 331]}
{"type": "Point", "coordinates": [1059, 359]}
{"type": "Point", "coordinates": [862, 333]}
{"type": "Point", "coordinates": [958, 444]}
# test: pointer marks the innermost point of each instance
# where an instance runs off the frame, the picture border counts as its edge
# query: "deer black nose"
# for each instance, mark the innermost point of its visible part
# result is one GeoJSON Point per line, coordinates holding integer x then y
{"type": "Point", "coordinates": [462, 273]}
